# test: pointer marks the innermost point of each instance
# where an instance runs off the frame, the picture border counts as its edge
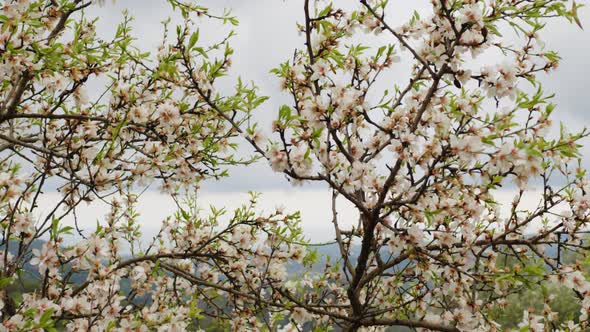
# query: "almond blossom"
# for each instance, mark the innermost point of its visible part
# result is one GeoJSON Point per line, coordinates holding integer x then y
{"type": "Point", "coordinates": [420, 164]}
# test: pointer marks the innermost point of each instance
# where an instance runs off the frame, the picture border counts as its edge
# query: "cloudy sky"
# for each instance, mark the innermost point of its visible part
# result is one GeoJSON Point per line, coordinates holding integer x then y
{"type": "Point", "coordinates": [266, 37]}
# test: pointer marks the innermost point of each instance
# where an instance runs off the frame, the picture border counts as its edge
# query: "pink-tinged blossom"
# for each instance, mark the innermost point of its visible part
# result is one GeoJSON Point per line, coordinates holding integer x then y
{"type": "Point", "coordinates": [45, 259]}
{"type": "Point", "coordinates": [139, 114]}
{"type": "Point", "coordinates": [278, 159]}
{"type": "Point", "coordinates": [168, 114]}
{"type": "Point", "coordinates": [319, 69]}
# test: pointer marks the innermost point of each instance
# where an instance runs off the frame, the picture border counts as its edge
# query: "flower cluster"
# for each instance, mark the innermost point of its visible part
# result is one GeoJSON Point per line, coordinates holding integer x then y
{"type": "Point", "coordinates": [193, 255]}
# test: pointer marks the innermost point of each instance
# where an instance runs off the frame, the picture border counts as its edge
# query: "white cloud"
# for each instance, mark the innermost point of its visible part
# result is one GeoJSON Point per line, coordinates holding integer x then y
{"type": "Point", "coordinates": [314, 206]}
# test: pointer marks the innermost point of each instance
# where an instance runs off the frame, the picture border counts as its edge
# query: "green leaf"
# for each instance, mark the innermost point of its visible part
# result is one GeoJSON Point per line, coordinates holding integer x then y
{"type": "Point", "coordinates": [193, 40]}
{"type": "Point", "coordinates": [285, 112]}
{"type": "Point", "coordinates": [5, 282]}
{"type": "Point", "coordinates": [326, 10]}
{"type": "Point", "coordinates": [46, 317]}
{"type": "Point", "coordinates": [575, 15]}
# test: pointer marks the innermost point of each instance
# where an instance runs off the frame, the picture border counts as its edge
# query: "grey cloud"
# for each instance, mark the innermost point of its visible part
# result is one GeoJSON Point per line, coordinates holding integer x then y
{"type": "Point", "coordinates": [267, 36]}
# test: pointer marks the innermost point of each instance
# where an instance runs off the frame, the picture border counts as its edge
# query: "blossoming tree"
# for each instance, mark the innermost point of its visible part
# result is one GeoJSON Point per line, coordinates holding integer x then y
{"type": "Point", "coordinates": [151, 122]}
{"type": "Point", "coordinates": [420, 162]}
